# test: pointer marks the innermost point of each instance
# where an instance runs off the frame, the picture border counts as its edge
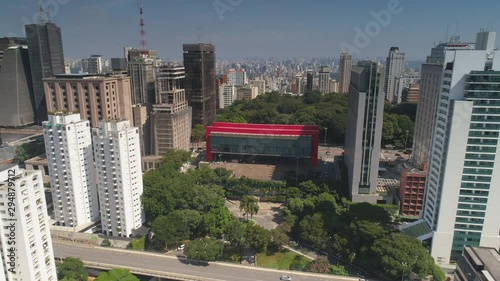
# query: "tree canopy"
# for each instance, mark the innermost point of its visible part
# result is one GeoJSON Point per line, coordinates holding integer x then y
{"type": "Point", "coordinates": [205, 249]}
{"type": "Point", "coordinates": [72, 269]}
{"type": "Point", "coordinates": [117, 274]}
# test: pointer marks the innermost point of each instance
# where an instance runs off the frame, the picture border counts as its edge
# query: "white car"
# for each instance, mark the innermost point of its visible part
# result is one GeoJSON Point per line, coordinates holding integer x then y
{"type": "Point", "coordinates": [285, 278]}
{"type": "Point", "coordinates": [181, 247]}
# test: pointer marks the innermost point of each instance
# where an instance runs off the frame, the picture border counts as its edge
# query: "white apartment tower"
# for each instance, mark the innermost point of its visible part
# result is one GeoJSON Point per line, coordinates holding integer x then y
{"type": "Point", "coordinates": [463, 185]}
{"type": "Point", "coordinates": [324, 80]}
{"type": "Point", "coordinates": [119, 177]}
{"type": "Point", "coordinates": [95, 64]}
{"type": "Point", "coordinates": [394, 68]}
{"type": "Point", "coordinates": [345, 72]}
{"type": "Point", "coordinates": [24, 220]}
{"type": "Point", "coordinates": [227, 95]}
{"type": "Point", "coordinates": [69, 155]}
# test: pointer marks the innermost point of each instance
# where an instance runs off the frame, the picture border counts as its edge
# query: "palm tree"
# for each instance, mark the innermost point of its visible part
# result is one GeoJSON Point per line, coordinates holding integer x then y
{"type": "Point", "coordinates": [250, 205]}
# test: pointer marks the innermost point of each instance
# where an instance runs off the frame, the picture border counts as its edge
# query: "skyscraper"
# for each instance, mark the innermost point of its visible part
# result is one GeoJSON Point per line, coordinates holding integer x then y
{"type": "Point", "coordinates": [461, 195]}
{"type": "Point", "coordinates": [298, 84]}
{"type": "Point", "coordinates": [6, 42]}
{"type": "Point", "coordinates": [142, 80]}
{"type": "Point", "coordinates": [16, 88]}
{"type": "Point", "coordinates": [227, 95]}
{"type": "Point", "coordinates": [324, 80]}
{"type": "Point", "coordinates": [46, 58]}
{"type": "Point", "coordinates": [459, 200]}
{"type": "Point", "coordinates": [364, 130]}
{"type": "Point", "coordinates": [119, 177]}
{"type": "Point", "coordinates": [199, 62]}
{"type": "Point", "coordinates": [95, 97]}
{"type": "Point", "coordinates": [237, 77]}
{"type": "Point", "coordinates": [71, 168]}
{"type": "Point", "coordinates": [171, 115]}
{"type": "Point", "coordinates": [345, 72]}
{"type": "Point", "coordinates": [430, 87]}
{"type": "Point", "coordinates": [24, 220]}
{"type": "Point", "coordinates": [309, 80]}
{"type": "Point", "coordinates": [95, 64]}
{"type": "Point", "coordinates": [394, 68]}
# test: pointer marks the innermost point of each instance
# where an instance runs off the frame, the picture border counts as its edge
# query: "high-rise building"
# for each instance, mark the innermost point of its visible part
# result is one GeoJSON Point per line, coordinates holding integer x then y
{"type": "Point", "coordinates": [199, 62]}
{"type": "Point", "coordinates": [227, 95]}
{"type": "Point", "coordinates": [95, 64]}
{"type": "Point", "coordinates": [142, 80]}
{"type": "Point", "coordinates": [119, 177]}
{"type": "Point", "coordinates": [364, 130]}
{"type": "Point", "coordinates": [394, 68]}
{"type": "Point", "coordinates": [478, 263]}
{"type": "Point", "coordinates": [324, 80]}
{"type": "Point", "coordinates": [345, 72]}
{"type": "Point", "coordinates": [298, 84]}
{"type": "Point", "coordinates": [95, 97]}
{"type": "Point", "coordinates": [259, 83]}
{"type": "Point", "coordinates": [171, 115]}
{"type": "Point", "coordinates": [237, 77]}
{"type": "Point", "coordinates": [118, 64]}
{"type": "Point", "coordinates": [430, 87]}
{"type": "Point", "coordinates": [411, 192]}
{"type": "Point", "coordinates": [463, 182]}
{"type": "Point", "coordinates": [24, 220]}
{"type": "Point", "coordinates": [246, 93]}
{"type": "Point", "coordinates": [68, 149]}
{"type": "Point", "coordinates": [85, 65]}
{"type": "Point", "coordinates": [6, 42]}
{"type": "Point", "coordinates": [16, 88]}
{"type": "Point", "coordinates": [309, 80]}
{"type": "Point", "coordinates": [46, 59]}
{"type": "Point", "coordinates": [334, 86]}
{"type": "Point", "coordinates": [411, 93]}
{"type": "Point", "coordinates": [133, 53]}
{"type": "Point", "coordinates": [404, 81]}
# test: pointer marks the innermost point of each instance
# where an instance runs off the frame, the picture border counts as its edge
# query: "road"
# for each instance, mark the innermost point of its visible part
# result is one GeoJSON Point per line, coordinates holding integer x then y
{"type": "Point", "coordinates": [157, 262]}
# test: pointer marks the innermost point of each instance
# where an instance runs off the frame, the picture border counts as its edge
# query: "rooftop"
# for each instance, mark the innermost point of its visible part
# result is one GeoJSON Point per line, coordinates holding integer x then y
{"type": "Point", "coordinates": [489, 257]}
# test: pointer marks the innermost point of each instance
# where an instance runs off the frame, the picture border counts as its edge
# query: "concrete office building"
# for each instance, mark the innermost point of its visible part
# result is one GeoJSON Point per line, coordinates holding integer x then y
{"type": "Point", "coordinates": [478, 264]}
{"type": "Point", "coordinates": [46, 59]}
{"type": "Point", "coordinates": [334, 86]}
{"type": "Point", "coordinates": [411, 93]}
{"type": "Point", "coordinates": [119, 177]}
{"type": "Point", "coordinates": [95, 97]}
{"type": "Point", "coordinates": [463, 181]}
{"type": "Point", "coordinates": [199, 63]}
{"type": "Point", "coordinates": [411, 192]}
{"type": "Point", "coordinates": [404, 81]}
{"type": "Point", "coordinates": [260, 84]}
{"type": "Point", "coordinates": [430, 87]}
{"type": "Point", "coordinates": [142, 80]}
{"type": "Point", "coordinates": [133, 53]}
{"type": "Point", "coordinates": [171, 115]}
{"type": "Point", "coordinates": [246, 93]}
{"type": "Point", "coordinates": [119, 64]}
{"type": "Point", "coordinates": [6, 42]}
{"type": "Point", "coordinates": [27, 222]}
{"type": "Point", "coordinates": [85, 65]}
{"type": "Point", "coordinates": [309, 80]}
{"type": "Point", "coordinates": [227, 95]}
{"type": "Point", "coordinates": [324, 80]}
{"type": "Point", "coordinates": [364, 130]}
{"type": "Point", "coordinates": [345, 72]}
{"type": "Point", "coordinates": [394, 68]}
{"type": "Point", "coordinates": [71, 168]}
{"type": "Point", "coordinates": [299, 84]}
{"type": "Point", "coordinates": [16, 88]}
{"type": "Point", "coordinates": [95, 64]}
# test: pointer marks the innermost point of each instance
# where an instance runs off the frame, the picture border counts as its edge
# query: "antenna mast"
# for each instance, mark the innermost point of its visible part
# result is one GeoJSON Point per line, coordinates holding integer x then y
{"type": "Point", "coordinates": [43, 17]}
{"type": "Point", "coordinates": [143, 42]}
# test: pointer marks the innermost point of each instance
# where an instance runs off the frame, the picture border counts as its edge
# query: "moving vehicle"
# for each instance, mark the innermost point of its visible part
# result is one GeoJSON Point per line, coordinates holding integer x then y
{"type": "Point", "coordinates": [181, 247]}
{"type": "Point", "coordinates": [285, 278]}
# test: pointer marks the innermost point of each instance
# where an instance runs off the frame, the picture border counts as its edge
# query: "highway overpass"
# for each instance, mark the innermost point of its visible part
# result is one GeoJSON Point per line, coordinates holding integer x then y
{"type": "Point", "coordinates": [158, 265]}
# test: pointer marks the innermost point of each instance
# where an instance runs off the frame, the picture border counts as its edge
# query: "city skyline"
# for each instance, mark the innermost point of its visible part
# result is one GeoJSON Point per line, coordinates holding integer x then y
{"type": "Point", "coordinates": [253, 28]}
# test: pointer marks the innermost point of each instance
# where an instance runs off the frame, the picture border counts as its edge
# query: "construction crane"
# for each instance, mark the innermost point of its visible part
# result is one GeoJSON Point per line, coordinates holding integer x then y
{"type": "Point", "coordinates": [143, 44]}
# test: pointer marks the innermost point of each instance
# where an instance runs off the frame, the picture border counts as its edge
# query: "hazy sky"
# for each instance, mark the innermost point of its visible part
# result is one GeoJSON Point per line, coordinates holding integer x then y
{"type": "Point", "coordinates": [255, 28]}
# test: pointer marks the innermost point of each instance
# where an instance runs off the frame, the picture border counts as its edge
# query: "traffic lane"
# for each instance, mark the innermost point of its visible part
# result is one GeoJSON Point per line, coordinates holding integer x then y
{"type": "Point", "coordinates": [157, 262]}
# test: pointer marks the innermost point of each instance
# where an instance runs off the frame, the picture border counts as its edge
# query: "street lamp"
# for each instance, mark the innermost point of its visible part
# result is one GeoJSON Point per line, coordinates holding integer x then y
{"type": "Point", "coordinates": [326, 130]}
{"type": "Point", "coordinates": [404, 264]}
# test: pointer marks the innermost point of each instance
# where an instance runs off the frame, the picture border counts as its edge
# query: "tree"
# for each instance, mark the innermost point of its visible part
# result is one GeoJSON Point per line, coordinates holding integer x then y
{"type": "Point", "coordinates": [170, 229]}
{"type": "Point", "coordinates": [369, 212]}
{"type": "Point", "coordinates": [234, 232]}
{"type": "Point", "coordinates": [278, 239]}
{"type": "Point", "coordinates": [319, 265]}
{"type": "Point", "coordinates": [198, 133]}
{"type": "Point", "coordinates": [313, 230]}
{"type": "Point", "coordinates": [106, 243]}
{"type": "Point", "coordinates": [257, 237]}
{"type": "Point", "coordinates": [205, 249]}
{"type": "Point", "coordinates": [117, 275]}
{"type": "Point", "coordinates": [338, 270]}
{"type": "Point", "coordinates": [250, 204]}
{"type": "Point", "coordinates": [72, 268]}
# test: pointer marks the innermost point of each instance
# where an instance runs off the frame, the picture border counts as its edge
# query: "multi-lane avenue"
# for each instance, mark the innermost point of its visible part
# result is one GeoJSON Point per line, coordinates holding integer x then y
{"type": "Point", "coordinates": [118, 258]}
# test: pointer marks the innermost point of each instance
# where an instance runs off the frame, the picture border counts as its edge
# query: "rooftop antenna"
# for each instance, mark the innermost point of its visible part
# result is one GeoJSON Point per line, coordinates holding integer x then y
{"type": "Point", "coordinates": [43, 17]}
{"type": "Point", "coordinates": [143, 42]}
